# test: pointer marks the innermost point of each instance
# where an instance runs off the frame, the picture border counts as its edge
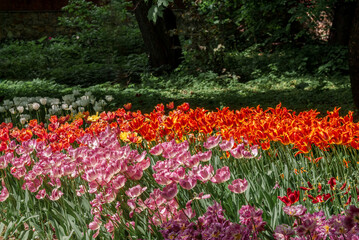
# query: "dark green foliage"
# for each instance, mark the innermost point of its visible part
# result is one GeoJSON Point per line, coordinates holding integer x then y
{"type": "Point", "coordinates": [317, 60]}
{"type": "Point", "coordinates": [105, 39]}
{"type": "Point", "coordinates": [217, 39]}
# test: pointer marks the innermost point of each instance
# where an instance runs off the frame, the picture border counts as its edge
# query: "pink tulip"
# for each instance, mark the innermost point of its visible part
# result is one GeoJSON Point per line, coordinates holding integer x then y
{"type": "Point", "coordinates": [95, 224]}
{"type": "Point", "coordinates": [131, 203]}
{"type": "Point", "coordinates": [238, 151]}
{"type": "Point", "coordinates": [238, 186]}
{"type": "Point", "coordinates": [81, 191]}
{"type": "Point", "coordinates": [55, 194]}
{"type": "Point", "coordinates": [135, 191]}
{"type": "Point", "coordinates": [111, 196]}
{"type": "Point", "coordinates": [202, 196]}
{"type": "Point", "coordinates": [212, 142]}
{"type": "Point", "coordinates": [109, 226]}
{"type": "Point", "coordinates": [162, 178]}
{"type": "Point", "coordinates": [93, 187]}
{"type": "Point", "coordinates": [205, 156]}
{"type": "Point", "coordinates": [222, 175]}
{"type": "Point", "coordinates": [184, 146]}
{"type": "Point", "coordinates": [119, 182]}
{"type": "Point", "coordinates": [3, 162]}
{"type": "Point", "coordinates": [33, 186]}
{"type": "Point", "coordinates": [254, 150]}
{"type": "Point", "coordinates": [90, 175]}
{"type": "Point", "coordinates": [192, 162]}
{"type": "Point", "coordinates": [138, 157]}
{"type": "Point", "coordinates": [157, 150]}
{"type": "Point", "coordinates": [144, 164]}
{"type": "Point", "coordinates": [134, 172]}
{"type": "Point", "coordinates": [205, 173]}
{"type": "Point", "coordinates": [4, 192]}
{"type": "Point", "coordinates": [41, 194]}
{"type": "Point", "coordinates": [68, 169]}
{"type": "Point", "coordinates": [96, 233]}
{"type": "Point", "coordinates": [227, 145]}
{"type": "Point", "coordinates": [188, 182]}
{"type": "Point", "coordinates": [170, 191]}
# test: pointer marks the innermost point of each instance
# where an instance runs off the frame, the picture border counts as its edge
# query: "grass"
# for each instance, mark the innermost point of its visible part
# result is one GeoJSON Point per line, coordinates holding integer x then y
{"type": "Point", "coordinates": [207, 90]}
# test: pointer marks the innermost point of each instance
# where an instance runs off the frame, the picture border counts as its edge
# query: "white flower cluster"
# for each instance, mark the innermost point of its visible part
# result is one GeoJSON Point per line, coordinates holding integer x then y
{"type": "Point", "coordinates": [25, 108]}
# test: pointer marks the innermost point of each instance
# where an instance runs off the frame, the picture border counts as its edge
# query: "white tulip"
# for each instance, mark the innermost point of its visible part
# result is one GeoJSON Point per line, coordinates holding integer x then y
{"type": "Point", "coordinates": [8, 102]}
{"type": "Point", "coordinates": [35, 106]}
{"type": "Point", "coordinates": [20, 109]}
{"type": "Point", "coordinates": [55, 107]}
{"type": "Point", "coordinates": [43, 101]}
{"type": "Point", "coordinates": [17, 100]}
{"type": "Point", "coordinates": [84, 103]}
{"type": "Point", "coordinates": [74, 105]}
{"type": "Point", "coordinates": [29, 106]}
{"type": "Point", "coordinates": [26, 116]}
{"type": "Point", "coordinates": [22, 121]}
{"type": "Point", "coordinates": [84, 97]}
{"type": "Point", "coordinates": [92, 100]}
{"type": "Point", "coordinates": [2, 109]}
{"type": "Point", "coordinates": [55, 101]}
{"type": "Point", "coordinates": [108, 98]}
{"type": "Point", "coordinates": [12, 110]}
{"type": "Point", "coordinates": [64, 106]}
{"type": "Point", "coordinates": [97, 108]}
{"type": "Point", "coordinates": [68, 98]}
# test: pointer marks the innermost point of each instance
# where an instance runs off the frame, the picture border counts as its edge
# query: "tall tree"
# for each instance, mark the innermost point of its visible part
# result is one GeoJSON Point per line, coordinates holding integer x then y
{"type": "Point", "coordinates": [354, 56]}
{"type": "Point", "coordinates": [159, 37]}
{"type": "Point", "coordinates": [342, 20]}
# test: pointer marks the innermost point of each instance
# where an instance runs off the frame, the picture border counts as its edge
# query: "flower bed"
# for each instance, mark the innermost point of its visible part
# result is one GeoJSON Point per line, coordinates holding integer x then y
{"type": "Point", "coordinates": [181, 174]}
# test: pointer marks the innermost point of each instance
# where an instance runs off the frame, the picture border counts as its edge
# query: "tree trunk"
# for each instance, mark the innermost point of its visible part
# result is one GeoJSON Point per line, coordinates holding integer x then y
{"type": "Point", "coordinates": [342, 20]}
{"type": "Point", "coordinates": [161, 43]}
{"type": "Point", "coordinates": [354, 57]}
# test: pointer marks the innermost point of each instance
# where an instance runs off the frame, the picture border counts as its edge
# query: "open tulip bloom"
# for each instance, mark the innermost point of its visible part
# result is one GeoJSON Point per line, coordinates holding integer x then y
{"type": "Point", "coordinates": [176, 173]}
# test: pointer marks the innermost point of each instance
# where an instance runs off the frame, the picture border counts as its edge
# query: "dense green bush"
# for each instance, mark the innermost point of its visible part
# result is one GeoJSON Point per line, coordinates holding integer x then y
{"type": "Point", "coordinates": [317, 60]}
{"type": "Point", "coordinates": [105, 40]}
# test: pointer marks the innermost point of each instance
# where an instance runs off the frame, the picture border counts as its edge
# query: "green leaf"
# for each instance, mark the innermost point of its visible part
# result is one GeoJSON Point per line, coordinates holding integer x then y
{"type": "Point", "coordinates": [163, 3]}
{"type": "Point", "coordinates": [155, 12]}
{"type": "Point", "coordinates": [2, 226]}
{"type": "Point", "coordinates": [152, 13]}
{"type": "Point", "coordinates": [25, 235]}
{"type": "Point", "coordinates": [9, 229]}
{"type": "Point", "coordinates": [75, 228]}
{"type": "Point", "coordinates": [69, 236]}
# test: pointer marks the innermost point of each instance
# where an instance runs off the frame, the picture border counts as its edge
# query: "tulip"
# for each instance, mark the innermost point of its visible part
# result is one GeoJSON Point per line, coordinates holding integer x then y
{"type": "Point", "coordinates": [238, 186]}
{"type": "Point", "coordinates": [135, 191]}
{"type": "Point", "coordinates": [4, 192]}
{"type": "Point", "coordinates": [227, 145]}
{"type": "Point", "coordinates": [170, 191]}
{"type": "Point", "coordinates": [222, 175]}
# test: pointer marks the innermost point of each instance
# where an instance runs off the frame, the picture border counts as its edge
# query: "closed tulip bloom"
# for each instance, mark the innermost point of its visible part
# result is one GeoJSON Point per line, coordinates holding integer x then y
{"type": "Point", "coordinates": [170, 191]}
{"type": "Point", "coordinates": [212, 142]}
{"type": "Point", "coordinates": [4, 192]}
{"type": "Point", "coordinates": [135, 191]}
{"type": "Point", "coordinates": [227, 145]}
{"type": "Point", "coordinates": [238, 185]}
{"type": "Point", "coordinates": [222, 175]}
{"type": "Point", "coordinates": [188, 183]}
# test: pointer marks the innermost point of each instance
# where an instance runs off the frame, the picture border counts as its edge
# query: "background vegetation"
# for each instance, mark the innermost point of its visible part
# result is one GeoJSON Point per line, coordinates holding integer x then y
{"type": "Point", "coordinates": [230, 56]}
